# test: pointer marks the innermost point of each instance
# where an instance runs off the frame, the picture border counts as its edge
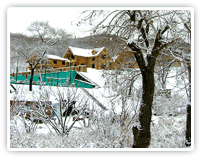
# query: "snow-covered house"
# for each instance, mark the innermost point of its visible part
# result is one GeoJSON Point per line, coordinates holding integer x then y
{"type": "Point", "coordinates": [80, 59]}
{"type": "Point", "coordinates": [97, 58]}
{"type": "Point", "coordinates": [126, 59]}
{"type": "Point", "coordinates": [54, 61]}
{"type": "Point", "coordinates": [57, 61]}
{"type": "Point", "coordinates": [167, 59]}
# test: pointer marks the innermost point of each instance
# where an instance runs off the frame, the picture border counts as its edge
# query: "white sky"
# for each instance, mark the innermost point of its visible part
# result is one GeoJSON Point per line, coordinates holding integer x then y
{"type": "Point", "coordinates": [19, 18]}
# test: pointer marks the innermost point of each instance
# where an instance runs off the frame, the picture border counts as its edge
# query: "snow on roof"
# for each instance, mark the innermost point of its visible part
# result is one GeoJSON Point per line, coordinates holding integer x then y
{"type": "Point", "coordinates": [85, 52]}
{"type": "Point", "coordinates": [54, 94]}
{"type": "Point", "coordinates": [95, 76]}
{"type": "Point", "coordinates": [56, 57]}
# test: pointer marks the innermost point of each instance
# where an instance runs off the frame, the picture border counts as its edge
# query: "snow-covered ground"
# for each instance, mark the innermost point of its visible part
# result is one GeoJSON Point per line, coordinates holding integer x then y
{"type": "Point", "coordinates": [167, 128]}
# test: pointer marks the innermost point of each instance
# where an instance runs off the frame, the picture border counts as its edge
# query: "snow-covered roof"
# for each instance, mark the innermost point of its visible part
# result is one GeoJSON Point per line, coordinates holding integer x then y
{"type": "Point", "coordinates": [52, 94]}
{"type": "Point", "coordinates": [95, 76]}
{"type": "Point", "coordinates": [49, 56]}
{"type": "Point", "coordinates": [85, 52]}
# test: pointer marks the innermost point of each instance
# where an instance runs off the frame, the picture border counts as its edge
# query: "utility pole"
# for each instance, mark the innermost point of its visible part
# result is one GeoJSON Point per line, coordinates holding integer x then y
{"type": "Point", "coordinates": [70, 77]}
{"type": "Point", "coordinates": [17, 67]}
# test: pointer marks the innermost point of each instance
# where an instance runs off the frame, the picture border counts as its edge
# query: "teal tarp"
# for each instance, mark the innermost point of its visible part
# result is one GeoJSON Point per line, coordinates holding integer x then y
{"type": "Point", "coordinates": [62, 79]}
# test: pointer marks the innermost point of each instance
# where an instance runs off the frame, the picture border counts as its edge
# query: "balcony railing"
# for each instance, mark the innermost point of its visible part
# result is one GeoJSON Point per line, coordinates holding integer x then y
{"type": "Point", "coordinates": [80, 68]}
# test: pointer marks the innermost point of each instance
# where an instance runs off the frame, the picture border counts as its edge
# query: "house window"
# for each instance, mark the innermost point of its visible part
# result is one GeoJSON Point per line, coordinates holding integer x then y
{"type": "Point", "coordinates": [103, 56]}
{"type": "Point", "coordinates": [63, 63]}
{"type": "Point", "coordinates": [54, 61]}
{"type": "Point", "coordinates": [127, 59]}
{"type": "Point", "coordinates": [93, 59]}
{"type": "Point", "coordinates": [103, 66]}
{"type": "Point", "coordinates": [72, 56]}
{"type": "Point", "coordinates": [133, 58]}
{"type": "Point", "coordinates": [93, 65]}
{"type": "Point", "coordinates": [110, 66]}
{"type": "Point", "coordinates": [131, 65]}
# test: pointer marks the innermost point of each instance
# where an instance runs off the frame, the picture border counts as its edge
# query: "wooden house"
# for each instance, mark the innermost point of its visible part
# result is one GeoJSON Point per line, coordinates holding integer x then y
{"type": "Point", "coordinates": [97, 58]}
{"type": "Point", "coordinates": [80, 59]}
{"type": "Point", "coordinates": [165, 59]}
{"type": "Point", "coordinates": [126, 59]}
{"type": "Point", "coordinates": [58, 62]}
{"type": "Point", "coordinates": [54, 61]}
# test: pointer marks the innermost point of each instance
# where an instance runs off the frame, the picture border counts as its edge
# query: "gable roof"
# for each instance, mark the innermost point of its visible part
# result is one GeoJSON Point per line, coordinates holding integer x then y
{"type": "Point", "coordinates": [85, 52]}
{"type": "Point", "coordinates": [49, 56]}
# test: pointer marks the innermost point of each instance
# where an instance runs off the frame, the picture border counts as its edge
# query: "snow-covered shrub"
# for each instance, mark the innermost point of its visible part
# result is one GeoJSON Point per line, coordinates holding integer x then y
{"type": "Point", "coordinates": [174, 105]}
{"type": "Point", "coordinates": [168, 131]}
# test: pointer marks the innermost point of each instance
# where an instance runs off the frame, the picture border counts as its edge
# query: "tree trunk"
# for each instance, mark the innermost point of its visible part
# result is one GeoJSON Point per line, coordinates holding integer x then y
{"type": "Point", "coordinates": [188, 122]}
{"type": "Point", "coordinates": [188, 126]}
{"type": "Point", "coordinates": [142, 135]}
{"type": "Point", "coordinates": [31, 79]}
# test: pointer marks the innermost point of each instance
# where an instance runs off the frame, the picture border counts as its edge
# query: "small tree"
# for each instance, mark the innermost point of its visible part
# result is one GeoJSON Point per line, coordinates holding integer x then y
{"type": "Point", "coordinates": [63, 110]}
{"type": "Point", "coordinates": [57, 115]}
{"type": "Point", "coordinates": [33, 57]}
{"type": "Point", "coordinates": [48, 36]}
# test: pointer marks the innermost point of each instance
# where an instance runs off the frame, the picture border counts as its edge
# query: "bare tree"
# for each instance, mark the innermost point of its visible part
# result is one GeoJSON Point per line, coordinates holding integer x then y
{"type": "Point", "coordinates": [64, 110]}
{"type": "Point", "coordinates": [41, 29]}
{"type": "Point", "coordinates": [147, 33]}
{"type": "Point", "coordinates": [33, 55]}
{"type": "Point", "coordinates": [57, 116]}
{"type": "Point", "coordinates": [44, 31]}
{"type": "Point", "coordinates": [181, 50]}
{"type": "Point", "coordinates": [48, 36]}
{"type": "Point", "coordinates": [163, 69]}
